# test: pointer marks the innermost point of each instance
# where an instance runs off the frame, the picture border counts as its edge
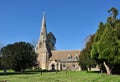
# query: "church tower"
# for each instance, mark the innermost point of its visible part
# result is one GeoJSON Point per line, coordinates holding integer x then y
{"type": "Point", "coordinates": [42, 51]}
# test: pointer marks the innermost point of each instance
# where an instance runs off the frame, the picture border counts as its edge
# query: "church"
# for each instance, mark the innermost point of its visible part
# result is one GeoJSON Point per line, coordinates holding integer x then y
{"type": "Point", "coordinates": [59, 59]}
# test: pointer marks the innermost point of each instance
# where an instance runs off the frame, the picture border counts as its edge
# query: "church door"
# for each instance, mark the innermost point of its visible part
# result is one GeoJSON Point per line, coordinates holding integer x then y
{"type": "Point", "coordinates": [53, 67]}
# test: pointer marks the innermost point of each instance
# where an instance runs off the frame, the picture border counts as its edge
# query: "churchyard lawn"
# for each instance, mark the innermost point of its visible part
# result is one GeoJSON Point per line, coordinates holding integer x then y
{"type": "Point", "coordinates": [70, 76]}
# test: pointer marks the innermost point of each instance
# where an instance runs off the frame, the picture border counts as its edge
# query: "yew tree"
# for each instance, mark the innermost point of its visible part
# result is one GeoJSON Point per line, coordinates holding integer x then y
{"type": "Point", "coordinates": [106, 46]}
{"type": "Point", "coordinates": [18, 56]}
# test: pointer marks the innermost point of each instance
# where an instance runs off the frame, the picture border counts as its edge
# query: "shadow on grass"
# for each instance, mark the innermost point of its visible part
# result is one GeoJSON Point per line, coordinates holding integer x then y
{"type": "Point", "coordinates": [17, 73]}
{"type": "Point", "coordinates": [93, 71]}
{"type": "Point", "coordinates": [114, 72]}
{"type": "Point", "coordinates": [26, 72]}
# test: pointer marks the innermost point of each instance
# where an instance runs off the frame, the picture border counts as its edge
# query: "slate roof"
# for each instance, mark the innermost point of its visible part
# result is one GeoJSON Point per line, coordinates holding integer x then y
{"type": "Point", "coordinates": [63, 54]}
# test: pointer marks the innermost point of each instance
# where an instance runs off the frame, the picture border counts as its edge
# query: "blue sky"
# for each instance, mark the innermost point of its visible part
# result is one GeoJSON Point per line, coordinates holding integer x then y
{"type": "Point", "coordinates": [71, 21]}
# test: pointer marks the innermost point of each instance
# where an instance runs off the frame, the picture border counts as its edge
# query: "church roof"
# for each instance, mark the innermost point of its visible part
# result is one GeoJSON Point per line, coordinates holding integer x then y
{"type": "Point", "coordinates": [63, 55]}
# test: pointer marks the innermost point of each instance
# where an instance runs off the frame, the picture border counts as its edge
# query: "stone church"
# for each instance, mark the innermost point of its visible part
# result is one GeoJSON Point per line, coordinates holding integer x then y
{"type": "Point", "coordinates": [59, 59]}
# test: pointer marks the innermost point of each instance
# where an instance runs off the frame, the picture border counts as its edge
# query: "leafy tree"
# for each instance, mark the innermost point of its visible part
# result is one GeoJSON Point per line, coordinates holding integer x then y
{"type": "Point", "coordinates": [85, 58]}
{"type": "Point", "coordinates": [18, 56]}
{"type": "Point", "coordinates": [106, 46]}
{"type": "Point", "coordinates": [51, 41]}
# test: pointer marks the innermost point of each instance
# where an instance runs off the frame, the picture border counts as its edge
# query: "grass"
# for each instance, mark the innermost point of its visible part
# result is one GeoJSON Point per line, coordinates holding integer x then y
{"type": "Point", "coordinates": [71, 76]}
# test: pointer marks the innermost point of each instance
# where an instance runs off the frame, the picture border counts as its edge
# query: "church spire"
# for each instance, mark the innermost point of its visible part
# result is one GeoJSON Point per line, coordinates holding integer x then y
{"type": "Point", "coordinates": [43, 53]}
{"type": "Point", "coordinates": [43, 33]}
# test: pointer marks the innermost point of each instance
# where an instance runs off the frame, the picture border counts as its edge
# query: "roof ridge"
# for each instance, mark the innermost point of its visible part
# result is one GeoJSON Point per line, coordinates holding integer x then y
{"type": "Point", "coordinates": [65, 50]}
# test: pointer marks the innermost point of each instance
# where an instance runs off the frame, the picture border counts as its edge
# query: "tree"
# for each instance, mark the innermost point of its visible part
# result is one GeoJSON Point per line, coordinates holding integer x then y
{"type": "Point", "coordinates": [113, 16]}
{"type": "Point", "coordinates": [18, 56]}
{"type": "Point", "coordinates": [85, 60]}
{"type": "Point", "coordinates": [114, 12]}
{"type": "Point", "coordinates": [97, 37]}
{"type": "Point", "coordinates": [1, 46]}
{"type": "Point", "coordinates": [106, 46]}
{"type": "Point", "coordinates": [51, 41]}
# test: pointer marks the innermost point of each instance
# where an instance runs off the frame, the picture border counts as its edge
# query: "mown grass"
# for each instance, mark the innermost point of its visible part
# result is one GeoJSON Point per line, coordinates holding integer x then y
{"type": "Point", "coordinates": [71, 76]}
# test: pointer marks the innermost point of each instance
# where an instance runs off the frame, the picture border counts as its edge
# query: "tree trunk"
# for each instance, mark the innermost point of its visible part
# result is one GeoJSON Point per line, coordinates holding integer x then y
{"type": "Point", "coordinates": [108, 68]}
{"type": "Point", "coordinates": [22, 71]}
{"type": "Point", "coordinates": [5, 71]}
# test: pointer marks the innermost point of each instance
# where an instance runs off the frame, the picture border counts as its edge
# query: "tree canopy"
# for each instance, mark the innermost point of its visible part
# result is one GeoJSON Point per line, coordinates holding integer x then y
{"type": "Point", "coordinates": [85, 59]}
{"type": "Point", "coordinates": [106, 46]}
{"type": "Point", "coordinates": [51, 41]}
{"type": "Point", "coordinates": [18, 56]}
{"type": "Point", "coordinates": [1, 46]}
{"type": "Point", "coordinates": [114, 12]}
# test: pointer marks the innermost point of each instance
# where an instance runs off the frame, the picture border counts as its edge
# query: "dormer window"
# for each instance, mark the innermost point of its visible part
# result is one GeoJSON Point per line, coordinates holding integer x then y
{"type": "Point", "coordinates": [76, 57]}
{"type": "Point", "coordinates": [69, 57]}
